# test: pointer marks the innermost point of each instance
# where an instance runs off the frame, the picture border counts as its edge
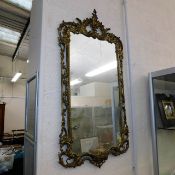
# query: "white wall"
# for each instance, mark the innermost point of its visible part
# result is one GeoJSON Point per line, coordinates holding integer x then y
{"type": "Point", "coordinates": [151, 44]}
{"type": "Point", "coordinates": [151, 47]}
{"type": "Point", "coordinates": [49, 122]}
{"type": "Point", "coordinates": [98, 89]}
{"type": "Point", "coordinates": [84, 101]}
{"type": "Point", "coordinates": [15, 105]}
{"type": "Point", "coordinates": [12, 94]}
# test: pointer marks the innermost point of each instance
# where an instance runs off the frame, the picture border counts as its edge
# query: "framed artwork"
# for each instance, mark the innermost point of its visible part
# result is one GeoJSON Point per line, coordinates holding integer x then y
{"type": "Point", "coordinates": [166, 105]}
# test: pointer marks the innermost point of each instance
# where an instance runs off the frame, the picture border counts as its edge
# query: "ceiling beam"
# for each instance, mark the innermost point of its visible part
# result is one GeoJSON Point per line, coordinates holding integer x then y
{"type": "Point", "coordinates": [22, 38]}
{"type": "Point", "coordinates": [14, 9]}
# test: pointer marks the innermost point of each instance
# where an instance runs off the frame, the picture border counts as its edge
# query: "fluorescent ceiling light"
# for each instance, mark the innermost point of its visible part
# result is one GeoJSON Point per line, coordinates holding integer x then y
{"type": "Point", "coordinates": [74, 82]}
{"type": "Point", "coordinates": [8, 35]}
{"type": "Point", "coordinates": [16, 77]}
{"type": "Point", "coordinates": [25, 4]}
{"type": "Point", "coordinates": [102, 69]}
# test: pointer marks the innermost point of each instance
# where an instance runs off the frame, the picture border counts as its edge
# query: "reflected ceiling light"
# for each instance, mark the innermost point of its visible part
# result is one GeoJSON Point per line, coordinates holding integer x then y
{"type": "Point", "coordinates": [8, 35]}
{"type": "Point", "coordinates": [27, 60]}
{"type": "Point", "coordinates": [74, 82]}
{"type": "Point", "coordinates": [25, 4]}
{"type": "Point", "coordinates": [102, 69]}
{"type": "Point", "coordinates": [16, 77]}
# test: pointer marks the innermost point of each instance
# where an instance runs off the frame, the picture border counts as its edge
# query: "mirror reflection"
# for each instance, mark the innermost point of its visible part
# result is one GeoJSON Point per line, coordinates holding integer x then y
{"type": "Point", "coordinates": [164, 97]}
{"type": "Point", "coordinates": [94, 95]}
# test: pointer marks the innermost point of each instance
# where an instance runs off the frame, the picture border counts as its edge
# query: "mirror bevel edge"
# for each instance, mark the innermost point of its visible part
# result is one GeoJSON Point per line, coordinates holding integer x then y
{"type": "Point", "coordinates": [67, 157]}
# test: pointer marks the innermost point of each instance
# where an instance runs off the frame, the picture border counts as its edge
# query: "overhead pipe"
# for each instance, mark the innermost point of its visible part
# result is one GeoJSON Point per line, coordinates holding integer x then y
{"type": "Point", "coordinates": [22, 38]}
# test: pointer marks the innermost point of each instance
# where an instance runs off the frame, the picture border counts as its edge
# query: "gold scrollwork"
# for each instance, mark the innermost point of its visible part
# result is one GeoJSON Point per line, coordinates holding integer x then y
{"type": "Point", "coordinates": [90, 27]}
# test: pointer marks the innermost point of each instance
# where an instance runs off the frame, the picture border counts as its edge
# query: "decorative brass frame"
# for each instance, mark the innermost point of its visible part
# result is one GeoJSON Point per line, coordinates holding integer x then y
{"type": "Point", "coordinates": [90, 27]}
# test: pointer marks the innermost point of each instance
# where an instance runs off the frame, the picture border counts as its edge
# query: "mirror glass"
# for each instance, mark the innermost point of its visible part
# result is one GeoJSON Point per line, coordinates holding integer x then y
{"type": "Point", "coordinates": [164, 107]}
{"type": "Point", "coordinates": [30, 108]}
{"type": "Point", "coordinates": [94, 95]}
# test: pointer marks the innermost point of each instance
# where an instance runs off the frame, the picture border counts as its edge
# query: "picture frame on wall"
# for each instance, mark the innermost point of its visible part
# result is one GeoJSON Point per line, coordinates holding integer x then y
{"type": "Point", "coordinates": [166, 106]}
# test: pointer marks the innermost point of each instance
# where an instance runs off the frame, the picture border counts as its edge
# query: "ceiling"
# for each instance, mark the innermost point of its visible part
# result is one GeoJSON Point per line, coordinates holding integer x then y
{"type": "Point", "coordinates": [15, 18]}
{"type": "Point", "coordinates": [88, 54]}
{"type": "Point", "coordinates": [9, 68]}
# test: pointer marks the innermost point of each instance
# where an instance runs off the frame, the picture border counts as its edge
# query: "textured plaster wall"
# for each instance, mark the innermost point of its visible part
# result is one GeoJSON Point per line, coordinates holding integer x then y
{"type": "Point", "coordinates": [151, 44]}
{"type": "Point", "coordinates": [14, 97]}
{"type": "Point", "coordinates": [13, 94]}
{"type": "Point", "coordinates": [49, 122]}
{"type": "Point", "coordinates": [151, 47]}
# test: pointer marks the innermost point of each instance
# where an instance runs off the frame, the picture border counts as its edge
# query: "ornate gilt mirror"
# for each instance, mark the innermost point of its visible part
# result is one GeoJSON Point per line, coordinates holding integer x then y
{"type": "Point", "coordinates": [93, 105]}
